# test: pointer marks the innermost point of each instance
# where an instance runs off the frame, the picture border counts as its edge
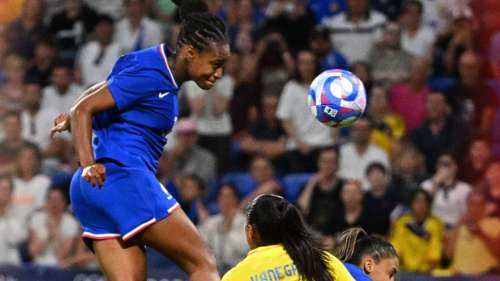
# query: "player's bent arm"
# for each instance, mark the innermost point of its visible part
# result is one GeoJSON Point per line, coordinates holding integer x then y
{"type": "Point", "coordinates": [81, 121]}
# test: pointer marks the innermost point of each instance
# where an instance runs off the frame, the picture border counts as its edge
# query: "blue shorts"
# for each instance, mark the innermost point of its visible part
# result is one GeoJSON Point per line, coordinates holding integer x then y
{"type": "Point", "coordinates": [130, 200]}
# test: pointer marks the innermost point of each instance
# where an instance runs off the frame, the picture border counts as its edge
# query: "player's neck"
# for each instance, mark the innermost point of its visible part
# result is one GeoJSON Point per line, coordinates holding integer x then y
{"type": "Point", "coordinates": [179, 70]}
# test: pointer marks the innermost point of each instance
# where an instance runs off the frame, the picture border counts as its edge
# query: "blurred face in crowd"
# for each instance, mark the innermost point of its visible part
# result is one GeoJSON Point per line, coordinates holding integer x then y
{"type": "Point", "coordinates": [361, 131]}
{"type": "Point", "coordinates": [420, 206]}
{"type": "Point", "coordinates": [56, 202]}
{"type": "Point", "coordinates": [228, 200]}
{"type": "Point", "coordinates": [412, 14]}
{"type": "Point", "coordinates": [245, 11]}
{"type": "Point", "coordinates": [44, 52]}
{"type": "Point", "coordinates": [493, 179]}
{"type": "Point", "coordinates": [447, 163]}
{"type": "Point", "coordinates": [351, 194]}
{"type": "Point", "coordinates": [232, 65]}
{"type": "Point", "coordinates": [409, 161]}
{"type": "Point", "coordinates": [188, 138]}
{"type": "Point", "coordinates": [378, 180]}
{"type": "Point", "coordinates": [306, 66]}
{"type": "Point", "coordinates": [32, 96]}
{"type": "Point", "coordinates": [15, 67]}
{"type": "Point", "coordinates": [362, 71]}
{"type": "Point", "coordinates": [32, 10]}
{"type": "Point", "coordinates": [437, 108]}
{"type": "Point", "coordinates": [61, 77]}
{"type": "Point", "coordinates": [190, 189]}
{"type": "Point", "coordinates": [357, 7]}
{"type": "Point", "coordinates": [469, 68]}
{"type": "Point", "coordinates": [261, 169]}
{"type": "Point", "coordinates": [73, 8]}
{"type": "Point", "coordinates": [419, 71]}
{"type": "Point", "coordinates": [104, 31]}
{"type": "Point", "coordinates": [5, 191]}
{"type": "Point", "coordinates": [327, 162]}
{"type": "Point", "coordinates": [28, 161]}
{"type": "Point", "coordinates": [392, 35]}
{"type": "Point", "coordinates": [480, 152]}
{"type": "Point", "coordinates": [12, 128]}
{"type": "Point", "coordinates": [135, 9]}
{"type": "Point", "coordinates": [378, 100]}
{"type": "Point", "coordinates": [269, 107]}
{"type": "Point", "coordinates": [320, 46]}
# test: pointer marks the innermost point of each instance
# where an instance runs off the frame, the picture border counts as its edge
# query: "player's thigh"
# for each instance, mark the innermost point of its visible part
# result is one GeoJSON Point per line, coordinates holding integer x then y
{"type": "Point", "coordinates": [177, 238]}
{"type": "Point", "coordinates": [121, 261]}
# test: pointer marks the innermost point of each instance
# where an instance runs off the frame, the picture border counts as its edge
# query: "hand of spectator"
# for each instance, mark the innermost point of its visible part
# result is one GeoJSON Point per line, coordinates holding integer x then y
{"type": "Point", "coordinates": [61, 123]}
{"type": "Point", "coordinates": [439, 178]}
{"type": "Point", "coordinates": [95, 174]}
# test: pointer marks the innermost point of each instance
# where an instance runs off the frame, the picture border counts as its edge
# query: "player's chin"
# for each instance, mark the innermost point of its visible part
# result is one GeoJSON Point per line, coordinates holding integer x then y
{"type": "Point", "coordinates": [205, 84]}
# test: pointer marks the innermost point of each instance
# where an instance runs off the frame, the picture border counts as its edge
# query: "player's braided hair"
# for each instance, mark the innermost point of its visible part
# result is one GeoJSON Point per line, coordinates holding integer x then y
{"type": "Point", "coordinates": [199, 28]}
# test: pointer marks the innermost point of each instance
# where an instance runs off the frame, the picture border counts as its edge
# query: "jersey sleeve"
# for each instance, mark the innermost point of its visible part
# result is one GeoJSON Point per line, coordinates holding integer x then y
{"type": "Point", "coordinates": [130, 82]}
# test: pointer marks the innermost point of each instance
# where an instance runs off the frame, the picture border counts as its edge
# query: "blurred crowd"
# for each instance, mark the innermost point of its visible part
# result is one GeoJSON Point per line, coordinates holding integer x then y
{"type": "Point", "coordinates": [421, 168]}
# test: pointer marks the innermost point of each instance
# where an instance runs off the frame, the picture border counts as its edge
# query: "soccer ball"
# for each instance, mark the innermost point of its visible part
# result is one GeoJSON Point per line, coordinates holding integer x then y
{"type": "Point", "coordinates": [337, 98]}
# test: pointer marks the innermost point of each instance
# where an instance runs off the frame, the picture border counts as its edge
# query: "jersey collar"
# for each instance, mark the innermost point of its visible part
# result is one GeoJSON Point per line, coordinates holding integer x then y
{"type": "Point", "coordinates": [164, 53]}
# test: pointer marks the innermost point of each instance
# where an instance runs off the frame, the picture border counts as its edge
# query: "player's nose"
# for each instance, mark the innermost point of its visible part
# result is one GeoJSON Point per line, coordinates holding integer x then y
{"type": "Point", "coordinates": [218, 73]}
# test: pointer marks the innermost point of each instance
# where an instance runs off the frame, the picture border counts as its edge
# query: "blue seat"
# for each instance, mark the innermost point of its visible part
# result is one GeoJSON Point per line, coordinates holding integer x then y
{"type": "Point", "coordinates": [441, 84]}
{"type": "Point", "coordinates": [293, 184]}
{"type": "Point", "coordinates": [243, 182]}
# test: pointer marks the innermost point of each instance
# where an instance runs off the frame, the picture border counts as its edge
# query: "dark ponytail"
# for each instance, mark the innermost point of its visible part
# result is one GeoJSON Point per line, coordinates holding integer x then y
{"type": "Point", "coordinates": [279, 222]}
{"type": "Point", "coordinates": [355, 243]}
{"type": "Point", "coordinates": [199, 28]}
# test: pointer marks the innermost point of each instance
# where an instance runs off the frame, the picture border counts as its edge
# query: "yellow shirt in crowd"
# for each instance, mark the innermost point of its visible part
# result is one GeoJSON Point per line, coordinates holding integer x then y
{"type": "Point", "coordinates": [10, 10]}
{"type": "Point", "coordinates": [273, 263]}
{"type": "Point", "coordinates": [471, 255]}
{"type": "Point", "coordinates": [418, 254]}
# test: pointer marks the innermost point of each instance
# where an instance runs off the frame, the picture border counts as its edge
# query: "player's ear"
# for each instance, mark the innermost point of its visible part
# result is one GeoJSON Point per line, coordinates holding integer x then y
{"type": "Point", "coordinates": [190, 52]}
{"type": "Point", "coordinates": [367, 264]}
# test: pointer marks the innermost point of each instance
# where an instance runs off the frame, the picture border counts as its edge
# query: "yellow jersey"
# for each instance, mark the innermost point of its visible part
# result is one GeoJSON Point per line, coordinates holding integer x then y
{"type": "Point", "coordinates": [272, 262]}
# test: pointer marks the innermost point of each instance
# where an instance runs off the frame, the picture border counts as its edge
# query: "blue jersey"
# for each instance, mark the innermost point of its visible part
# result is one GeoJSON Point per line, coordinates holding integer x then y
{"type": "Point", "coordinates": [145, 94]}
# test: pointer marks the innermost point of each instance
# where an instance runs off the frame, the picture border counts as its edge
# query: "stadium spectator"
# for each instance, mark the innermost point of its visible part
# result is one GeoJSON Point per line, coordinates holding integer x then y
{"type": "Point", "coordinates": [12, 231]}
{"type": "Point", "coordinates": [137, 31]}
{"type": "Point", "coordinates": [62, 92]}
{"type": "Point", "coordinates": [42, 63]}
{"type": "Point", "coordinates": [352, 213]}
{"type": "Point", "coordinates": [11, 90]}
{"type": "Point", "coordinates": [320, 198]}
{"type": "Point", "coordinates": [326, 54]}
{"type": "Point", "coordinates": [27, 29]}
{"type": "Point", "coordinates": [187, 157]}
{"type": "Point", "coordinates": [418, 236]}
{"type": "Point", "coordinates": [267, 136]}
{"type": "Point", "coordinates": [225, 232]}
{"type": "Point", "coordinates": [115, 8]}
{"type": "Point", "coordinates": [493, 55]}
{"type": "Point", "coordinates": [10, 11]}
{"type": "Point", "coordinates": [388, 127]}
{"type": "Point", "coordinates": [449, 193]}
{"type": "Point", "coordinates": [324, 9]}
{"type": "Point", "coordinates": [34, 118]}
{"type": "Point", "coordinates": [416, 38]}
{"type": "Point", "coordinates": [346, 27]}
{"type": "Point", "coordinates": [390, 63]}
{"type": "Point", "coordinates": [471, 98]}
{"type": "Point", "coordinates": [190, 189]}
{"type": "Point", "coordinates": [71, 27]}
{"type": "Point", "coordinates": [380, 199]}
{"type": "Point", "coordinates": [474, 245]}
{"type": "Point", "coordinates": [53, 231]}
{"type": "Point", "coordinates": [262, 171]}
{"type": "Point", "coordinates": [409, 99]}
{"type": "Point", "coordinates": [440, 133]}
{"type": "Point", "coordinates": [30, 185]}
{"type": "Point", "coordinates": [492, 178]}
{"type": "Point", "coordinates": [306, 136]}
{"type": "Point", "coordinates": [11, 143]}
{"type": "Point", "coordinates": [96, 58]}
{"type": "Point", "coordinates": [359, 152]}
{"type": "Point", "coordinates": [210, 111]}
{"type": "Point", "coordinates": [473, 168]}
{"type": "Point", "coordinates": [364, 72]}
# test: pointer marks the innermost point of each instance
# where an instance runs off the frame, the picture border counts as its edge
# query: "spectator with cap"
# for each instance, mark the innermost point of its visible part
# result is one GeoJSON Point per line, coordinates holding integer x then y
{"type": "Point", "coordinates": [416, 38]}
{"type": "Point", "coordinates": [136, 30]}
{"type": "Point", "coordinates": [12, 231]}
{"type": "Point", "coordinates": [224, 233]}
{"type": "Point", "coordinates": [63, 91]}
{"type": "Point", "coordinates": [471, 98]}
{"type": "Point", "coordinates": [346, 27]}
{"type": "Point", "coordinates": [440, 132]}
{"type": "Point", "coordinates": [71, 27]}
{"type": "Point", "coordinates": [390, 63]}
{"type": "Point", "coordinates": [359, 152]}
{"type": "Point", "coordinates": [188, 157]}
{"type": "Point", "coordinates": [97, 57]}
{"type": "Point", "coordinates": [326, 54]}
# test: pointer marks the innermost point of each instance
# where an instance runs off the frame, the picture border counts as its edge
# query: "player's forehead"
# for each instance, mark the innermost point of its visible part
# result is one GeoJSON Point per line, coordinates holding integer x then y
{"type": "Point", "coordinates": [218, 51]}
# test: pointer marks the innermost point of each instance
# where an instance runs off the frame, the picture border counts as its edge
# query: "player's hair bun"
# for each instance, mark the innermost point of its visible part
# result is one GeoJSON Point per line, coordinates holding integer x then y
{"type": "Point", "coordinates": [187, 7]}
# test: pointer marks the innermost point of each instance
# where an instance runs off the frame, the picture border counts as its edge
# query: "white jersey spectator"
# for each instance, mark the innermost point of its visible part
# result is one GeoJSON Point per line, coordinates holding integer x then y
{"type": "Point", "coordinates": [355, 31]}
{"type": "Point", "coordinates": [114, 8]}
{"type": "Point", "coordinates": [62, 93]}
{"type": "Point", "coordinates": [136, 31]}
{"type": "Point", "coordinates": [416, 38]}
{"type": "Point", "coordinates": [96, 58]}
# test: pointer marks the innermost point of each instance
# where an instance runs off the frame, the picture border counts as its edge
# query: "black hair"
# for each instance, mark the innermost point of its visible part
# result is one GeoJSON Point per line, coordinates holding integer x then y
{"type": "Point", "coordinates": [355, 243]}
{"type": "Point", "coordinates": [320, 33]}
{"type": "Point", "coordinates": [199, 28]}
{"type": "Point", "coordinates": [235, 191]}
{"type": "Point", "coordinates": [376, 166]}
{"type": "Point", "coordinates": [427, 195]}
{"type": "Point", "coordinates": [196, 179]}
{"type": "Point", "coordinates": [415, 3]}
{"type": "Point", "coordinates": [104, 18]}
{"type": "Point", "coordinates": [297, 76]}
{"type": "Point", "coordinates": [278, 222]}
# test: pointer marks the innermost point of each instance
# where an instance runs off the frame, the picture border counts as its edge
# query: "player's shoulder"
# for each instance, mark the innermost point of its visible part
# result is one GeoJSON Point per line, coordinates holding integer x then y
{"type": "Point", "coordinates": [340, 272]}
{"type": "Point", "coordinates": [237, 271]}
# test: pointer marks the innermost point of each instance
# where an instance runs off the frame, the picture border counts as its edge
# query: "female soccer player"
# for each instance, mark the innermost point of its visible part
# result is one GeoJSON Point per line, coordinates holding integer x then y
{"type": "Point", "coordinates": [367, 257]}
{"type": "Point", "coordinates": [281, 248]}
{"type": "Point", "coordinates": [130, 114]}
